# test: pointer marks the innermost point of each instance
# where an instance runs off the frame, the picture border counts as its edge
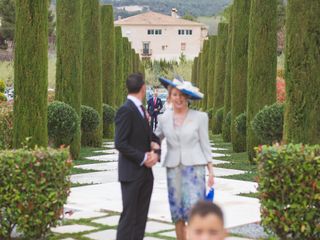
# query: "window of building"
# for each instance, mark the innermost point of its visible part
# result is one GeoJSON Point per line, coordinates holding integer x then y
{"type": "Point", "coordinates": [184, 32]}
{"type": "Point", "coordinates": [183, 46]}
{"type": "Point", "coordinates": [154, 31]}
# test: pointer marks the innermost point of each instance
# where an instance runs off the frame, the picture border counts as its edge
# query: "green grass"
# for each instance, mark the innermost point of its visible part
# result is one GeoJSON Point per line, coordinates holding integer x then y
{"type": "Point", "coordinates": [251, 194]}
{"type": "Point", "coordinates": [238, 161]}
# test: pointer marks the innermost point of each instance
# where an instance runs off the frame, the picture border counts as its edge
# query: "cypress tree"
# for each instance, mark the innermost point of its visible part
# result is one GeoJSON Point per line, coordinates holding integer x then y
{"type": "Point", "coordinates": [262, 63]}
{"type": "Point", "coordinates": [68, 68]}
{"type": "Point", "coordinates": [226, 135]}
{"type": "Point", "coordinates": [194, 71]}
{"type": "Point", "coordinates": [91, 67]}
{"type": "Point", "coordinates": [108, 62]}
{"type": "Point", "coordinates": [211, 68]}
{"type": "Point", "coordinates": [220, 70]}
{"type": "Point", "coordinates": [198, 76]}
{"type": "Point", "coordinates": [137, 62]}
{"type": "Point", "coordinates": [204, 73]}
{"type": "Point", "coordinates": [133, 57]}
{"type": "Point", "coordinates": [126, 50]}
{"type": "Point", "coordinates": [31, 73]}
{"type": "Point", "coordinates": [130, 67]}
{"type": "Point", "coordinates": [302, 72]}
{"type": "Point", "coordinates": [108, 55]}
{"type": "Point", "coordinates": [119, 67]}
{"type": "Point", "coordinates": [239, 67]}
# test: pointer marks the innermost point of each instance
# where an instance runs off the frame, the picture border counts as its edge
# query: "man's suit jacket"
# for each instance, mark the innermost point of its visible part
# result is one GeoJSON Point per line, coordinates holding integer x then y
{"type": "Point", "coordinates": [133, 137]}
{"type": "Point", "coordinates": [189, 144]}
{"type": "Point", "coordinates": [152, 106]}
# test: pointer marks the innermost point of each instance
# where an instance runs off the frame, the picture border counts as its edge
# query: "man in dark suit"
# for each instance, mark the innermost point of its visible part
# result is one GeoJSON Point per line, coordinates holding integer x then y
{"type": "Point", "coordinates": [133, 140]}
{"type": "Point", "coordinates": [154, 107]}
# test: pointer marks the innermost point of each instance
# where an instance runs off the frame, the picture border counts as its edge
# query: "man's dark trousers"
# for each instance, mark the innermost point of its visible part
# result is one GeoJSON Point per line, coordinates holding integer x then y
{"type": "Point", "coordinates": [133, 138]}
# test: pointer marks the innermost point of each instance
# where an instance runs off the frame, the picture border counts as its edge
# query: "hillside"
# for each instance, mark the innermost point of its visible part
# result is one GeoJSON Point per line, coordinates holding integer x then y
{"type": "Point", "coordinates": [195, 8]}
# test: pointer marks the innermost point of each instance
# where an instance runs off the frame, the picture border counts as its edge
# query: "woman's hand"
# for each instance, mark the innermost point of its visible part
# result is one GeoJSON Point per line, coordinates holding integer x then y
{"type": "Point", "coordinates": [210, 180]}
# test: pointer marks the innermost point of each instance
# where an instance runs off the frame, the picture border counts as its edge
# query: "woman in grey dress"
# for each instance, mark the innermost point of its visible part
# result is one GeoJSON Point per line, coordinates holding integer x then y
{"type": "Point", "coordinates": [188, 152]}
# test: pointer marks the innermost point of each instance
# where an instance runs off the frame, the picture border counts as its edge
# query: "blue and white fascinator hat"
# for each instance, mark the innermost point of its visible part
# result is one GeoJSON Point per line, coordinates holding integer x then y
{"type": "Point", "coordinates": [184, 86]}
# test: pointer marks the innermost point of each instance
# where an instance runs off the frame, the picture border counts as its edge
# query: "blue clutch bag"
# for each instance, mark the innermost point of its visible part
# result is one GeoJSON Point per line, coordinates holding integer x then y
{"type": "Point", "coordinates": [210, 195]}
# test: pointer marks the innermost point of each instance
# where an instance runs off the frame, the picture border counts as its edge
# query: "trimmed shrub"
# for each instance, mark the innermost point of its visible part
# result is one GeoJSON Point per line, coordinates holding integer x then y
{"type": "Point", "coordinates": [2, 86]}
{"type": "Point", "coordinates": [31, 72]}
{"type": "Point", "coordinates": [289, 186]}
{"type": "Point", "coordinates": [241, 124]}
{"type": "Point", "coordinates": [34, 186]}
{"type": "Point", "coordinates": [218, 121]}
{"type": "Point", "coordinates": [211, 69]}
{"type": "Point", "coordinates": [6, 125]}
{"type": "Point", "coordinates": [108, 120]}
{"type": "Point", "coordinates": [204, 73]}
{"type": "Point", "coordinates": [63, 123]}
{"type": "Point", "coordinates": [226, 131]}
{"type": "Point", "coordinates": [268, 123]}
{"type": "Point", "coordinates": [90, 119]}
{"type": "Point", "coordinates": [119, 83]}
{"type": "Point", "coordinates": [68, 70]}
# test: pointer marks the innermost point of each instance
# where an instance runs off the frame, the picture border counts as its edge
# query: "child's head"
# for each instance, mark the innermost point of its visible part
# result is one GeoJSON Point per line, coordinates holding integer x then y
{"type": "Point", "coordinates": [206, 222]}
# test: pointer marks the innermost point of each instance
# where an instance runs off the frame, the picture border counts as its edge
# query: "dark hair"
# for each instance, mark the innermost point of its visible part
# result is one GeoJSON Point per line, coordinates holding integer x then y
{"type": "Point", "coordinates": [135, 82]}
{"type": "Point", "coordinates": [204, 208]}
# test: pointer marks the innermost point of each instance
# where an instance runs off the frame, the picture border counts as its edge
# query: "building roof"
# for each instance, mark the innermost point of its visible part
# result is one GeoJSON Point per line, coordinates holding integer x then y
{"type": "Point", "coordinates": [153, 18]}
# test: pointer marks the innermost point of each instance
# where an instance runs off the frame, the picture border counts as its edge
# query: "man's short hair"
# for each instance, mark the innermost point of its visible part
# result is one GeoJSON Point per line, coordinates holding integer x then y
{"type": "Point", "coordinates": [135, 82]}
{"type": "Point", "coordinates": [205, 208]}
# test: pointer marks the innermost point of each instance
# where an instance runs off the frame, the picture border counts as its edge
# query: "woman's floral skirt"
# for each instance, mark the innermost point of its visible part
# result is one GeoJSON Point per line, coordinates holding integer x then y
{"type": "Point", "coordinates": [186, 186]}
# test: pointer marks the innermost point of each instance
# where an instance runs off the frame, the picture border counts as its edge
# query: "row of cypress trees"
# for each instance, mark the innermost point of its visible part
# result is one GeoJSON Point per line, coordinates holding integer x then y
{"type": "Point", "coordinates": [93, 61]}
{"type": "Point", "coordinates": [245, 69]}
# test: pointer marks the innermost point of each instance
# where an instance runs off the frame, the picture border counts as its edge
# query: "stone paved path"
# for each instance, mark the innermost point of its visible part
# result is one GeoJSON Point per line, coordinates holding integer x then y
{"type": "Point", "coordinates": [100, 203]}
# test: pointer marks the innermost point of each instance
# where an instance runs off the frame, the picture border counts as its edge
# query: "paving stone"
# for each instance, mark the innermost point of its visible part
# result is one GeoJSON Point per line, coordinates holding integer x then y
{"type": "Point", "coordinates": [84, 215]}
{"type": "Point", "coordinates": [95, 177]}
{"type": "Point", "coordinates": [109, 234]}
{"type": "Point", "coordinates": [221, 172]}
{"type": "Point", "coordinates": [109, 166]}
{"type": "Point", "coordinates": [151, 238]}
{"type": "Point", "coordinates": [153, 227]}
{"type": "Point", "coordinates": [104, 158]}
{"type": "Point", "coordinates": [214, 162]}
{"type": "Point", "coordinates": [76, 228]}
{"type": "Point", "coordinates": [237, 238]}
{"type": "Point", "coordinates": [169, 234]}
{"type": "Point", "coordinates": [68, 239]}
{"type": "Point", "coordinates": [218, 149]}
{"type": "Point", "coordinates": [110, 221]}
{"type": "Point", "coordinates": [108, 151]}
{"type": "Point", "coordinates": [219, 155]}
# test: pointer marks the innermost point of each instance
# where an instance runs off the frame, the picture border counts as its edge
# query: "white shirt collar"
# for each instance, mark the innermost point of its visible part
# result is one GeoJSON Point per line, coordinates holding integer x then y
{"type": "Point", "coordinates": [135, 100]}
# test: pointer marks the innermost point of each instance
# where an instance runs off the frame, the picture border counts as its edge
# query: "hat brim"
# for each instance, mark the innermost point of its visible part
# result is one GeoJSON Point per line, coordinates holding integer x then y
{"type": "Point", "coordinates": [166, 82]}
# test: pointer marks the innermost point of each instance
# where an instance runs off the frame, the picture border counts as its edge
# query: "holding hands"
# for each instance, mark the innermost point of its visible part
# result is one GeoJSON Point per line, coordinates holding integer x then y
{"type": "Point", "coordinates": [152, 157]}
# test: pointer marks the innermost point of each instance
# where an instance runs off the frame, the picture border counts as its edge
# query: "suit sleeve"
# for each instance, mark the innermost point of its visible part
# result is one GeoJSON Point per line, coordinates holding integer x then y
{"type": "Point", "coordinates": [160, 105]}
{"type": "Point", "coordinates": [123, 129]}
{"type": "Point", "coordinates": [204, 136]}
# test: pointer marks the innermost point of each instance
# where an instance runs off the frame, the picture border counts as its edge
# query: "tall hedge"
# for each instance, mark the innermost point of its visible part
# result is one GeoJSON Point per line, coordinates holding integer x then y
{"type": "Point", "coordinates": [204, 73]}
{"type": "Point", "coordinates": [220, 70]}
{"type": "Point", "coordinates": [226, 134]}
{"type": "Point", "coordinates": [262, 63]}
{"type": "Point", "coordinates": [119, 66]}
{"type": "Point", "coordinates": [211, 70]}
{"type": "Point", "coordinates": [302, 72]}
{"type": "Point", "coordinates": [198, 76]}
{"type": "Point", "coordinates": [126, 62]}
{"type": "Point", "coordinates": [194, 71]}
{"type": "Point", "coordinates": [91, 67]}
{"type": "Point", "coordinates": [130, 60]}
{"type": "Point", "coordinates": [68, 68]}
{"type": "Point", "coordinates": [239, 67]}
{"type": "Point", "coordinates": [31, 72]}
{"type": "Point", "coordinates": [108, 55]}
{"type": "Point", "coordinates": [133, 57]}
{"type": "Point", "coordinates": [137, 62]}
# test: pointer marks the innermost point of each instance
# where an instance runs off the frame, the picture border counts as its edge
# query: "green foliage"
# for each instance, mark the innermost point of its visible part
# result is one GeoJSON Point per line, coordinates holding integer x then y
{"type": "Point", "coordinates": [119, 67]}
{"type": "Point", "coordinates": [289, 187]}
{"type": "Point", "coordinates": [68, 68]}
{"type": "Point", "coordinates": [3, 97]}
{"type": "Point", "coordinates": [268, 123]}
{"type": "Point", "coordinates": [262, 64]}
{"type": "Point", "coordinates": [108, 120]}
{"type": "Point", "coordinates": [108, 54]}
{"type": "Point", "coordinates": [92, 67]}
{"type": "Point", "coordinates": [6, 125]}
{"type": "Point", "coordinates": [210, 113]}
{"type": "Point", "coordinates": [34, 186]}
{"type": "Point", "coordinates": [218, 121]}
{"type": "Point", "coordinates": [302, 73]}
{"type": "Point", "coordinates": [240, 123]}
{"type": "Point", "coordinates": [211, 70]}
{"type": "Point", "coordinates": [226, 134]}
{"type": "Point", "coordinates": [220, 66]}
{"type": "Point", "coordinates": [63, 123]}
{"type": "Point", "coordinates": [90, 119]}
{"type": "Point", "coordinates": [204, 73]}
{"type": "Point", "coordinates": [2, 86]}
{"type": "Point", "coordinates": [239, 67]}
{"type": "Point", "coordinates": [31, 73]}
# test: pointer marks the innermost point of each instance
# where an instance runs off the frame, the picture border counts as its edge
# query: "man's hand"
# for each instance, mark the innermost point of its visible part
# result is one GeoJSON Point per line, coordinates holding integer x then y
{"type": "Point", "coordinates": [152, 159]}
